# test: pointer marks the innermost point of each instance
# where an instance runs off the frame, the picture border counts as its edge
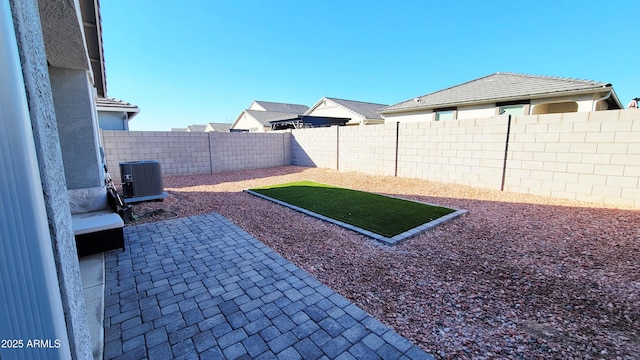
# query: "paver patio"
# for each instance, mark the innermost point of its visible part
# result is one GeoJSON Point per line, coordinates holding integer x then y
{"type": "Point", "coordinates": [201, 287]}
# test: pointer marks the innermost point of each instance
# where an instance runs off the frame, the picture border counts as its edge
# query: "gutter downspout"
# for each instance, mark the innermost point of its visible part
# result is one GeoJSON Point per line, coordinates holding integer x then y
{"type": "Point", "coordinates": [595, 102]}
{"type": "Point", "coordinates": [30, 300]}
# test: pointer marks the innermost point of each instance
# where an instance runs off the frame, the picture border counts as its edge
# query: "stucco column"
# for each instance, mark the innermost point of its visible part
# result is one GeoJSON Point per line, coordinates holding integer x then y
{"type": "Point", "coordinates": [48, 162]}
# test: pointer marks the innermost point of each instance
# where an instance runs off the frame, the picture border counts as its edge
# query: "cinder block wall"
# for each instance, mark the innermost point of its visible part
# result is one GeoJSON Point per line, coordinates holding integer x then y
{"type": "Point", "coordinates": [315, 147]}
{"type": "Point", "coordinates": [239, 151]}
{"type": "Point", "coordinates": [584, 156]}
{"type": "Point", "coordinates": [195, 152]}
{"type": "Point", "coordinates": [469, 152]}
{"type": "Point", "coordinates": [177, 152]}
{"type": "Point", "coordinates": [368, 149]}
{"type": "Point", "coordinates": [592, 156]}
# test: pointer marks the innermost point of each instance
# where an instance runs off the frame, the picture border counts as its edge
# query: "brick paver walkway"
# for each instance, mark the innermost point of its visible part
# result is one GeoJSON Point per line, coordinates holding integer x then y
{"type": "Point", "coordinates": [201, 287]}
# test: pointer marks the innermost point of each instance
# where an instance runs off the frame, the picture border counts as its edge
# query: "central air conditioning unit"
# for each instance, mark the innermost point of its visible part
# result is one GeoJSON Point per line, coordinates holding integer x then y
{"type": "Point", "coordinates": [142, 179]}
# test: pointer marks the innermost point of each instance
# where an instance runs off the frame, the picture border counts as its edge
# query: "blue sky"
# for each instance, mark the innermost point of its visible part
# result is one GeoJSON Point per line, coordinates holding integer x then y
{"type": "Point", "coordinates": [195, 62]}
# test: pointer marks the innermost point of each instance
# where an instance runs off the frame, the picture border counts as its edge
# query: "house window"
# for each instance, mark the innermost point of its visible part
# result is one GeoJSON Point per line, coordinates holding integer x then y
{"type": "Point", "coordinates": [514, 110]}
{"type": "Point", "coordinates": [445, 114]}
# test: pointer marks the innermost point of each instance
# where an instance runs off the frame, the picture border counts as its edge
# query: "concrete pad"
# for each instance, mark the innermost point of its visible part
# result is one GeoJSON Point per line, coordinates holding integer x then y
{"type": "Point", "coordinates": [92, 273]}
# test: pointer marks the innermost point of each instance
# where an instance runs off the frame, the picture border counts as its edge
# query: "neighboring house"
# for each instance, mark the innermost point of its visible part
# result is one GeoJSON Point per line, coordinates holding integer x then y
{"type": "Point", "coordinates": [210, 127]}
{"type": "Point", "coordinates": [506, 93]}
{"type": "Point", "coordinates": [278, 107]}
{"type": "Point", "coordinates": [218, 127]}
{"type": "Point", "coordinates": [196, 128]}
{"type": "Point", "coordinates": [51, 72]}
{"type": "Point", "coordinates": [260, 121]}
{"type": "Point", "coordinates": [360, 113]}
{"type": "Point", "coordinates": [258, 116]}
{"type": "Point", "coordinates": [115, 114]}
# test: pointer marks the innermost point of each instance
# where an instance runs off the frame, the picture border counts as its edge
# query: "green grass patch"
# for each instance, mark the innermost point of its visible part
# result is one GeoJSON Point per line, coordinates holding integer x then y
{"type": "Point", "coordinates": [380, 214]}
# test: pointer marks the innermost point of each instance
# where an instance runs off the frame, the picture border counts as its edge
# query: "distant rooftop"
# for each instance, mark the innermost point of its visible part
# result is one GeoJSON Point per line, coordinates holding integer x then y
{"type": "Point", "coordinates": [218, 127]}
{"type": "Point", "coordinates": [279, 107]}
{"type": "Point", "coordinates": [265, 117]}
{"type": "Point", "coordinates": [366, 109]}
{"type": "Point", "coordinates": [113, 104]}
{"type": "Point", "coordinates": [196, 128]}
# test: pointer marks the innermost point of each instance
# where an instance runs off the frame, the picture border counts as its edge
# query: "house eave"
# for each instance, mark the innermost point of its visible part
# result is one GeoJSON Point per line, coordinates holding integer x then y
{"type": "Point", "coordinates": [131, 112]}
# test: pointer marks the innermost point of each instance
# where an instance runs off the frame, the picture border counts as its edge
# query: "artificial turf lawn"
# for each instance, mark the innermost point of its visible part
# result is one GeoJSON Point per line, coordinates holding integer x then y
{"type": "Point", "coordinates": [380, 214]}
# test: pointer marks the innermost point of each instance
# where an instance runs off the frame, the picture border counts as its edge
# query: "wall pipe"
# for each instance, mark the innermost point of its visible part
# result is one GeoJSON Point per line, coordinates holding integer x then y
{"type": "Point", "coordinates": [506, 154]}
{"type": "Point", "coordinates": [595, 102]}
{"type": "Point", "coordinates": [30, 299]}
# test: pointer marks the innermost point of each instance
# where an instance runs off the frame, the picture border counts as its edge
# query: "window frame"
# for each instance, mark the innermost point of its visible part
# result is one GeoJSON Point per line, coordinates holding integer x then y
{"type": "Point", "coordinates": [445, 111]}
{"type": "Point", "coordinates": [526, 106]}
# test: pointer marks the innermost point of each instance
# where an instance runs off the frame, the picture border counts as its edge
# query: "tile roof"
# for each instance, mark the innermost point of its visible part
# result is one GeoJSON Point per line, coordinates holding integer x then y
{"type": "Point", "coordinates": [364, 109]}
{"type": "Point", "coordinates": [264, 117]}
{"type": "Point", "coordinates": [109, 103]}
{"type": "Point", "coordinates": [498, 87]}
{"type": "Point", "coordinates": [282, 107]}
{"type": "Point", "coordinates": [196, 128]}
{"type": "Point", "coordinates": [220, 127]}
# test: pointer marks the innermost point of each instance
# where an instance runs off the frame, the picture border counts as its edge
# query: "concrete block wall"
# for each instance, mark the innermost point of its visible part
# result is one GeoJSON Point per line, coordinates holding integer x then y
{"type": "Point", "coordinates": [240, 151]}
{"type": "Point", "coordinates": [468, 152]}
{"type": "Point", "coordinates": [178, 153]}
{"type": "Point", "coordinates": [591, 156]}
{"type": "Point", "coordinates": [195, 152]}
{"type": "Point", "coordinates": [368, 149]}
{"type": "Point", "coordinates": [316, 147]}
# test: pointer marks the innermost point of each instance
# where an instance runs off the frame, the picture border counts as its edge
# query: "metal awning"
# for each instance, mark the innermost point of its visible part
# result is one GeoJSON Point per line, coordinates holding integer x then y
{"type": "Point", "coordinates": [306, 121]}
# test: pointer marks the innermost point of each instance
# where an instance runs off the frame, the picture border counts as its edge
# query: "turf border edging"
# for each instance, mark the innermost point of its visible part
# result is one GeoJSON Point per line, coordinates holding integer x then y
{"type": "Point", "coordinates": [391, 241]}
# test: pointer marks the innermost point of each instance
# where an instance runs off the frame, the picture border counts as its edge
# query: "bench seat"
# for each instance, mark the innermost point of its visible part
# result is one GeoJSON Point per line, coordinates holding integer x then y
{"type": "Point", "coordinates": [95, 221]}
{"type": "Point", "coordinates": [96, 226]}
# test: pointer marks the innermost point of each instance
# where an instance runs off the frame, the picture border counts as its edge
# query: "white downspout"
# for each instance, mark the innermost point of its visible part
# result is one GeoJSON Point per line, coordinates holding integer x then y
{"type": "Point", "coordinates": [30, 299]}
{"type": "Point", "coordinates": [595, 102]}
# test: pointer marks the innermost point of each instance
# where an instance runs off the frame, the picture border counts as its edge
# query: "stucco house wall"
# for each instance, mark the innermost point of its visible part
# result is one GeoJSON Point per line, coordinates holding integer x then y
{"type": "Point", "coordinates": [476, 112]}
{"type": "Point", "coordinates": [113, 121]}
{"type": "Point", "coordinates": [560, 104]}
{"type": "Point", "coordinates": [73, 97]}
{"type": "Point", "coordinates": [248, 122]}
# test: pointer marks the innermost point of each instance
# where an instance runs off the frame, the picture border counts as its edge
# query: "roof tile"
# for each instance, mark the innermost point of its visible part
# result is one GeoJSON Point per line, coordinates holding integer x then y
{"type": "Point", "coordinates": [497, 87]}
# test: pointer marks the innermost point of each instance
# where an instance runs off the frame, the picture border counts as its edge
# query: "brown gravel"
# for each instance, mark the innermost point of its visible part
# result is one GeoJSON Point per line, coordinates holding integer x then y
{"type": "Point", "coordinates": [519, 276]}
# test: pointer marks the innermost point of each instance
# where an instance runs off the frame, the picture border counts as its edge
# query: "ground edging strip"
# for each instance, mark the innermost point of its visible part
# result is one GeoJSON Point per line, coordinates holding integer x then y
{"type": "Point", "coordinates": [383, 239]}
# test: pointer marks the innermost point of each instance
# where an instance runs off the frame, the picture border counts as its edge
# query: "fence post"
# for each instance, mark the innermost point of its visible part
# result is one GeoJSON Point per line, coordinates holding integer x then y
{"type": "Point", "coordinates": [337, 147]}
{"type": "Point", "coordinates": [395, 173]}
{"type": "Point", "coordinates": [506, 153]}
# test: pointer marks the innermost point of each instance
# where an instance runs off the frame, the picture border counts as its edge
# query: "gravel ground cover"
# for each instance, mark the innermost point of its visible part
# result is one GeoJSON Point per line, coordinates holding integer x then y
{"type": "Point", "coordinates": [518, 277]}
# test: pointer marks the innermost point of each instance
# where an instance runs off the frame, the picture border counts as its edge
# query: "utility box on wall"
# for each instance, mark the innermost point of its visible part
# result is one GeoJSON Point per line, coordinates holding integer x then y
{"type": "Point", "coordinates": [142, 181]}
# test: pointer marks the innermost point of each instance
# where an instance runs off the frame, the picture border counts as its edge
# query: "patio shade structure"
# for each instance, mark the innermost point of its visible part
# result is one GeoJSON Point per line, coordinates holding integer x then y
{"type": "Point", "coordinates": [307, 121]}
